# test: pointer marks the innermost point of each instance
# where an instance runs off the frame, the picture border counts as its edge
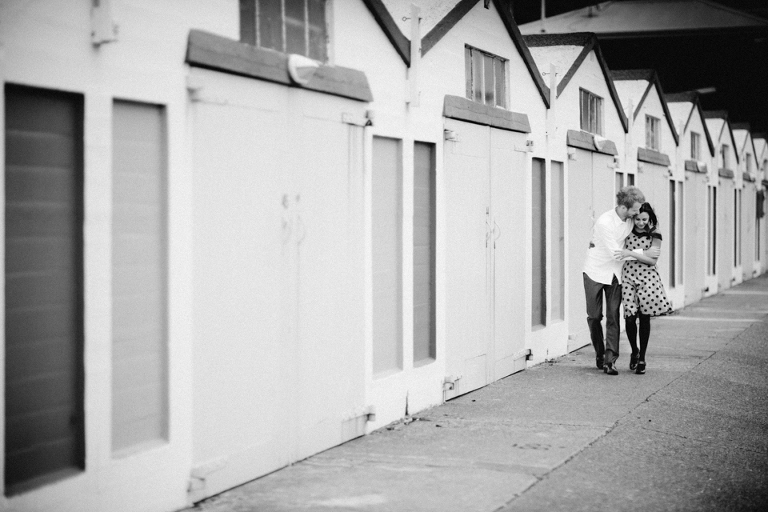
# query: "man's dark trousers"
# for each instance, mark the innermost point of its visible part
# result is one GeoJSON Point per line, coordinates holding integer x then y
{"type": "Point", "coordinates": [594, 294]}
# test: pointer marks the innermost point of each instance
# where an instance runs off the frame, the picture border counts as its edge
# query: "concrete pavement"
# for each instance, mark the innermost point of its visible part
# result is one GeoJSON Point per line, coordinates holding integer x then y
{"type": "Point", "coordinates": [690, 434]}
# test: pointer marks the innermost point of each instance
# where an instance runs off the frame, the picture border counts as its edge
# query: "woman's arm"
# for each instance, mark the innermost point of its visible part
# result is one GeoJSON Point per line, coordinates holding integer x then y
{"type": "Point", "coordinates": [649, 256]}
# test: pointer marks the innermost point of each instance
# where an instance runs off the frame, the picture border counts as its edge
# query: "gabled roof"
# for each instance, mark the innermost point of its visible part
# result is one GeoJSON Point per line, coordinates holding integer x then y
{"type": "Point", "coordinates": [723, 115]}
{"type": "Point", "coordinates": [760, 139]}
{"type": "Point", "coordinates": [460, 9]}
{"type": "Point", "coordinates": [650, 76]}
{"type": "Point", "coordinates": [633, 18]}
{"type": "Point", "coordinates": [692, 97]}
{"type": "Point", "coordinates": [437, 18]}
{"type": "Point", "coordinates": [744, 129]}
{"type": "Point", "coordinates": [589, 43]}
{"type": "Point", "coordinates": [383, 17]}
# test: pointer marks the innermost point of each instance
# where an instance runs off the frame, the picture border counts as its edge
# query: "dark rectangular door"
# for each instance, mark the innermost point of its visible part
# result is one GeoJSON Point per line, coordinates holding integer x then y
{"type": "Point", "coordinates": [44, 419]}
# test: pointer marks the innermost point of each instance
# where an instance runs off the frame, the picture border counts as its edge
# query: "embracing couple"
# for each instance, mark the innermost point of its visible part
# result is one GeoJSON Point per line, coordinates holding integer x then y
{"type": "Point", "coordinates": [621, 265]}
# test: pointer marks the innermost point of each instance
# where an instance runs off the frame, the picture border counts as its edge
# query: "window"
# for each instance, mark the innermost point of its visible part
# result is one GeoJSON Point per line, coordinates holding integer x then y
{"type": "Point", "coordinates": [44, 287]}
{"type": "Point", "coordinates": [737, 228]}
{"type": "Point", "coordinates": [288, 26]}
{"type": "Point", "coordinates": [424, 252]}
{"type": "Point", "coordinates": [539, 244]}
{"type": "Point", "coordinates": [758, 225]}
{"type": "Point", "coordinates": [724, 156]}
{"type": "Point", "coordinates": [749, 163]}
{"type": "Point", "coordinates": [619, 181]}
{"type": "Point", "coordinates": [675, 233]}
{"type": "Point", "coordinates": [139, 294]}
{"type": "Point", "coordinates": [630, 180]}
{"type": "Point", "coordinates": [712, 230]}
{"type": "Point", "coordinates": [486, 76]}
{"type": "Point", "coordinates": [695, 146]}
{"type": "Point", "coordinates": [557, 240]}
{"type": "Point", "coordinates": [591, 108]}
{"type": "Point", "coordinates": [652, 133]}
{"type": "Point", "coordinates": [387, 251]}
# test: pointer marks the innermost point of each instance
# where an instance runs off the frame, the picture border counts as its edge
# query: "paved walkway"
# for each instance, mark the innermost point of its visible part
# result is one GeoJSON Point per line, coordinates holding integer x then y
{"type": "Point", "coordinates": [691, 434]}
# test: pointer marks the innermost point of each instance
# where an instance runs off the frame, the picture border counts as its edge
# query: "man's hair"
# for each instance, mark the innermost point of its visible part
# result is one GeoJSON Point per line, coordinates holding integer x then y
{"type": "Point", "coordinates": [628, 196]}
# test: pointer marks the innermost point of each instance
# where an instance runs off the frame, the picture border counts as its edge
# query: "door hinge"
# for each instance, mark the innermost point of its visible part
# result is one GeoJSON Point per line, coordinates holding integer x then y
{"type": "Point", "coordinates": [358, 120]}
{"type": "Point", "coordinates": [199, 473]}
{"type": "Point", "coordinates": [449, 382]}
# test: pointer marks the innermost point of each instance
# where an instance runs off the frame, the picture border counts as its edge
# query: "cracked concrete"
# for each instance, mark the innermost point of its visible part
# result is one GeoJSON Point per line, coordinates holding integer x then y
{"type": "Point", "coordinates": [688, 435]}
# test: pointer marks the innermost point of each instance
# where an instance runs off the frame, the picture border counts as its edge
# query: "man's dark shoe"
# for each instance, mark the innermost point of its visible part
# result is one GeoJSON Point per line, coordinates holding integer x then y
{"type": "Point", "coordinates": [599, 361]}
{"type": "Point", "coordinates": [609, 369]}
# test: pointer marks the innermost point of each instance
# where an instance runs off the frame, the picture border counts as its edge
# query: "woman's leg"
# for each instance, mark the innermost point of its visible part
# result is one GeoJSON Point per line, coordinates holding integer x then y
{"type": "Point", "coordinates": [645, 333]}
{"type": "Point", "coordinates": [631, 325]}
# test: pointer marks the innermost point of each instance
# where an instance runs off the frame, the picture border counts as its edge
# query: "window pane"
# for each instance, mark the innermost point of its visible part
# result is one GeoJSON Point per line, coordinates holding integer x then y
{"type": "Point", "coordinates": [317, 31]}
{"type": "Point", "coordinates": [630, 179]}
{"type": "Point", "coordinates": [584, 109]}
{"type": "Point", "coordinates": [539, 244]}
{"type": "Point", "coordinates": [468, 70]}
{"type": "Point", "coordinates": [694, 146]}
{"type": "Point", "coordinates": [270, 31]}
{"type": "Point", "coordinates": [489, 87]}
{"type": "Point", "coordinates": [477, 76]}
{"type": "Point", "coordinates": [619, 181]}
{"type": "Point", "coordinates": [598, 116]}
{"type": "Point", "coordinates": [501, 83]}
{"type": "Point", "coordinates": [648, 132]}
{"type": "Point", "coordinates": [248, 21]}
{"type": "Point", "coordinates": [295, 27]}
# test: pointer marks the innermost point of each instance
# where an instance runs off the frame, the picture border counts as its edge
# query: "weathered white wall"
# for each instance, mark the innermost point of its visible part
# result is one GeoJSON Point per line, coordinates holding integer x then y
{"type": "Point", "coordinates": [48, 44]}
{"type": "Point", "coordinates": [357, 38]}
{"type": "Point", "coordinates": [695, 199]}
{"type": "Point", "coordinates": [651, 178]}
{"type": "Point", "coordinates": [566, 111]}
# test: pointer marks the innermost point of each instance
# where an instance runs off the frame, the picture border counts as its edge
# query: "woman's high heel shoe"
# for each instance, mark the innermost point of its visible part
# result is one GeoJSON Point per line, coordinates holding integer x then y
{"type": "Point", "coordinates": [633, 361]}
{"type": "Point", "coordinates": [640, 368]}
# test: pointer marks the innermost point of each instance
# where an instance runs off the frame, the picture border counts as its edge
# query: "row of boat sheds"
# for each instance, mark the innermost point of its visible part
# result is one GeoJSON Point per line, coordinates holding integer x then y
{"type": "Point", "coordinates": [242, 233]}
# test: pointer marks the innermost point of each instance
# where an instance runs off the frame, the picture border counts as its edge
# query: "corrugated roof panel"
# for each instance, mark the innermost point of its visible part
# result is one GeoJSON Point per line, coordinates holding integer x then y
{"type": "Point", "coordinates": [647, 16]}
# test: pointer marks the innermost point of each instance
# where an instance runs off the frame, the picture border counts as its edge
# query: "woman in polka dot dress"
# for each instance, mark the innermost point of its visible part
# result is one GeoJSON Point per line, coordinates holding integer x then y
{"type": "Point", "coordinates": [641, 290]}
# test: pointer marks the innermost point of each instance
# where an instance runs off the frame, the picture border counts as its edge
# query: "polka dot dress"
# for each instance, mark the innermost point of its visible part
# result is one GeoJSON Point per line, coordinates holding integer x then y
{"type": "Point", "coordinates": [641, 286]}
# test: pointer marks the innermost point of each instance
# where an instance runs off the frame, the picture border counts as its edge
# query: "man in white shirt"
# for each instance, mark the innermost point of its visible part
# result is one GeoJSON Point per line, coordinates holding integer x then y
{"type": "Point", "coordinates": [602, 275]}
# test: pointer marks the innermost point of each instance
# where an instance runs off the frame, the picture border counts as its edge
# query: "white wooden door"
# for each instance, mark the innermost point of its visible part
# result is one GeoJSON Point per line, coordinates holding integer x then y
{"type": "Point", "coordinates": [485, 271]}
{"type": "Point", "coordinates": [695, 239]}
{"type": "Point", "coordinates": [508, 241]}
{"type": "Point", "coordinates": [468, 236]}
{"type": "Point", "coordinates": [279, 361]}
{"type": "Point", "coordinates": [653, 181]}
{"type": "Point", "coordinates": [591, 184]}
{"type": "Point", "coordinates": [580, 222]}
{"type": "Point", "coordinates": [725, 235]}
{"type": "Point", "coordinates": [712, 260]}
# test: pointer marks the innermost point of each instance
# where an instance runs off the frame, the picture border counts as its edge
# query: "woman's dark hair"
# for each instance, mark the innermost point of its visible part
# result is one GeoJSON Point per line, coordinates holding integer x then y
{"type": "Point", "coordinates": [653, 222]}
